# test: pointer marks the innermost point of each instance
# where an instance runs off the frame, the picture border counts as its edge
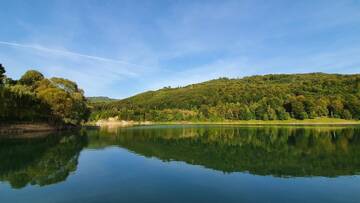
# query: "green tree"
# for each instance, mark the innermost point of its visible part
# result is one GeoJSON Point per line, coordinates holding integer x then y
{"type": "Point", "coordinates": [245, 113]}
{"type": "Point", "coordinates": [271, 113]}
{"type": "Point", "coordinates": [353, 104]}
{"type": "Point", "coordinates": [298, 110]}
{"type": "Point", "coordinates": [282, 114]}
{"type": "Point", "coordinates": [35, 98]}
{"type": "Point", "coordinates": [66, 100]}
{"type": "Point", "coordinates": [261, 112]}
{"type": "Point", "coordinates": [310, 107]}
{"type": "Point", "coordinates": [31, 77]}
{"type": "Point", "coordinates": [204, 109]}
{"type": "Point", "coordinates": [2, 74]}
{"type": "Point", "coordinates": [346, 114]}
{"type": "Point", "coordinates": [336, 107]}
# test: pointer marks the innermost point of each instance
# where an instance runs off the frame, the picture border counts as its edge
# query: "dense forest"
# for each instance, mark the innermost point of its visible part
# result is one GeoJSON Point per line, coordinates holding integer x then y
{"type": "Point", "coordinates": [34, 98]}
{"type": "Point", "coordinates": [268, 97]}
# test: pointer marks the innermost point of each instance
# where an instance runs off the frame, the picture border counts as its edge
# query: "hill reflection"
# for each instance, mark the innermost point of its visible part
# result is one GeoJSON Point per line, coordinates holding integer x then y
{"type": "Point", "coordinates": [277, 151]}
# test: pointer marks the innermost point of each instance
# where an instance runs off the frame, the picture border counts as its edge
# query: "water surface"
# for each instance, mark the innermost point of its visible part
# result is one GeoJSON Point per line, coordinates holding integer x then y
{"type": "Point", "coordinates": [183, 164]}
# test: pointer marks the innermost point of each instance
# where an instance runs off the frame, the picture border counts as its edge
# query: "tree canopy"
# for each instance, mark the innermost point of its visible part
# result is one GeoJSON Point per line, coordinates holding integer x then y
{"type": "Point", "coordinates": [36, 98]}
{"type": "Point", "coordinates": [31, 77]}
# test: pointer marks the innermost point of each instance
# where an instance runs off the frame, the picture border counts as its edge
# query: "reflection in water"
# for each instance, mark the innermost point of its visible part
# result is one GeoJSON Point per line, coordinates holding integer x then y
{"type": "Point", "coordinates": [276, 151]}
{"type": "Point", "coordinates": [39, 161]}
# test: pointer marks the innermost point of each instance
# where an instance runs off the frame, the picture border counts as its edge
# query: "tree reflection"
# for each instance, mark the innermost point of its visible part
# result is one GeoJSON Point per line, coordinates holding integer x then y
{"type": "Point", "coordinates": [277, 151]}
{"type": "Point", "coordinates": [39, 161]}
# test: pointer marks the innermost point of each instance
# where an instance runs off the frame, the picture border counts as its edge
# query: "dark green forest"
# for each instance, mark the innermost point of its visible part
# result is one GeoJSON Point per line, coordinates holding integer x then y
{"type": "Point", "coordinates": [268, 97]}
{"type": "Point", "coordinates": [34, 98]}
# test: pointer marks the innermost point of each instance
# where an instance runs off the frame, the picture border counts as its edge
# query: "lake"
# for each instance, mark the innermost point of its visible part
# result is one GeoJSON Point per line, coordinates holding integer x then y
{"type": "Point", "coordinates": [183, 163]}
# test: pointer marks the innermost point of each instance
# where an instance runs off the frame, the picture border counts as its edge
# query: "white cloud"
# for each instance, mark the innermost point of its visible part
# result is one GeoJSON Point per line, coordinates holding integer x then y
{"type": "Point", "coordinates": [74, 54]}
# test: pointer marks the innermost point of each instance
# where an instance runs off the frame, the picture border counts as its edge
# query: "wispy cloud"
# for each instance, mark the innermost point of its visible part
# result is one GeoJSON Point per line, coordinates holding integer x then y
{"type": "Point", "coordinates": [70, 53]}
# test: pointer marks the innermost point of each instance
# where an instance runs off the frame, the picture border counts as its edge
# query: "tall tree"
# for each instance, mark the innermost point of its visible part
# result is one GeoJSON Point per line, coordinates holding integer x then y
{"type": "Point", "coordinates": [30, 77]}
{"type": "Point", "coordinates": [2, 74]}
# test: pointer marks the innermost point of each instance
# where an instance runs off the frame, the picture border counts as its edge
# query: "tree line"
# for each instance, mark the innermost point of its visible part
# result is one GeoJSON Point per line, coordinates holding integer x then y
{"type": "Point", "coordinates": [269, 97]}
{"type": "Point", "coordinates": [35, 98]}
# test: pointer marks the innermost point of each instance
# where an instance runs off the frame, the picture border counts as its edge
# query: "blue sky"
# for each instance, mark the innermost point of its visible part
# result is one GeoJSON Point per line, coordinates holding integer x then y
{"type": "Point", "coordinates": [121, 48]}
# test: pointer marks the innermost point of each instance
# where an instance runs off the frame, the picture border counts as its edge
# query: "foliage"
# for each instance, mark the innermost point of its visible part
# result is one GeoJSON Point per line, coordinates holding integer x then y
{"type": "Point", "coordinates": [2, 74]}
{"type": "Point", "coordinates": [35, 98]}
{"type": "Point", "coordinates": [268, 97]}
{"type": "Point", "coordinates": [31, 77]}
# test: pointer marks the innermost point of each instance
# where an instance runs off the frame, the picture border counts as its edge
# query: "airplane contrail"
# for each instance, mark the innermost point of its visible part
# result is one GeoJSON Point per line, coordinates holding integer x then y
{"type": "Point", "coordinates": [65, 52]}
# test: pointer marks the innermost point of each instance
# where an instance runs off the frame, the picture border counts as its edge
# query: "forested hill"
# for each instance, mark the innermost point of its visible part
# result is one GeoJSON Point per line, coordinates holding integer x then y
{"type": "Point", "coordinates": [268, 97]}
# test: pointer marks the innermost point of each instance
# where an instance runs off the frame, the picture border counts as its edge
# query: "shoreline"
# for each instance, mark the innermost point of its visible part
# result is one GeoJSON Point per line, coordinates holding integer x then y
{"type": "Point", "coordinates": [21, 128]}
{"type": "Point", "coordinates": [292, 122]}
{"type": "Point", "coordinates": [263, 123]}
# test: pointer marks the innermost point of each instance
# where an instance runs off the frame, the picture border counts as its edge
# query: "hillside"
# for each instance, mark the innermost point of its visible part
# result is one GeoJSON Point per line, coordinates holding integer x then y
{"type": "Point", "coordinates": [99, 99]}
{"type": "Point", "coordinates": [268, 97]}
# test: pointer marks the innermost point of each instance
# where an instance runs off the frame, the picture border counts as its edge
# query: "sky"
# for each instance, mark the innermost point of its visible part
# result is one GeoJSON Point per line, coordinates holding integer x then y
{"type": "Point", "coordinates": [120, 48]}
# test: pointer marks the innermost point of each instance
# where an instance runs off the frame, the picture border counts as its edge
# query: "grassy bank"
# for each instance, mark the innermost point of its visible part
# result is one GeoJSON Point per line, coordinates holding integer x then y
{"type": "Point", "coordinates": [316, 121]}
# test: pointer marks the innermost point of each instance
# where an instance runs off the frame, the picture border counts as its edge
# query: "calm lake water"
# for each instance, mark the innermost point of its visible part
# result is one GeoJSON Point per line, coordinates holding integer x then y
{"type": "Point", "coordinates": [183, 164]}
